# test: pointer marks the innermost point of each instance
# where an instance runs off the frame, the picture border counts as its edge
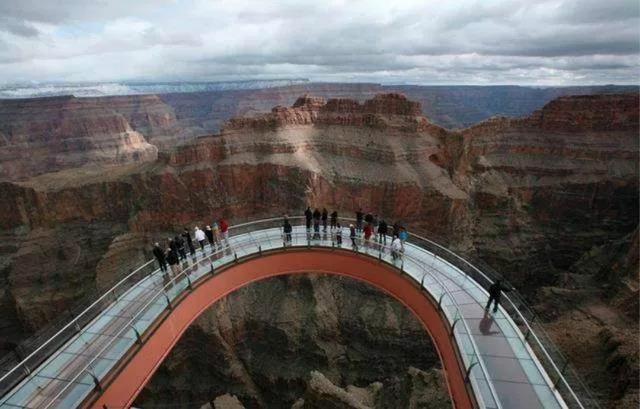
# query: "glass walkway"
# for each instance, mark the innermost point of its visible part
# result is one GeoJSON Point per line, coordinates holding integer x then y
{"type": "Point", "coordinates": [506, 364]}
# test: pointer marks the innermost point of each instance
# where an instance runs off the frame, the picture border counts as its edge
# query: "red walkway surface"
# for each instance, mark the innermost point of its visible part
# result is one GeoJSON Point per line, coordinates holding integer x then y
{"type": "Point", "coordinates": [131, 378]}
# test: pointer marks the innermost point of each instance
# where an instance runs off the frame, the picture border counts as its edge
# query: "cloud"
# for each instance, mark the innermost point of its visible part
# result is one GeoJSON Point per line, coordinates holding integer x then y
{"type": "Point", "coordinates": [524, 42]}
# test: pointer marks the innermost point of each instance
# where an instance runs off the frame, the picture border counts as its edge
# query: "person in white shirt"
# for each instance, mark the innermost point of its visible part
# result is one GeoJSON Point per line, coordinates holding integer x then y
{"type": "Point", "coordinates": [396, 248]}
{"type": "Point", "coordinates": [200, 237]}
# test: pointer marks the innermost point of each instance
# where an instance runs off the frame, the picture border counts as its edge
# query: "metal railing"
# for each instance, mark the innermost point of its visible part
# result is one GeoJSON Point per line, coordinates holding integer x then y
{"type": "Point", "coordinates": [184, 283]}
{"type": "Point", "coordinates": [534, 334]}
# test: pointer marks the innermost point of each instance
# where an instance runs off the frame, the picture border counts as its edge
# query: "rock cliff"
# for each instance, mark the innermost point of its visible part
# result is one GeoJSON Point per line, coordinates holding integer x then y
{"type": "Point", "coordinates": [532, 197]}
{"type": "Point", "coordinates": [40, 136]}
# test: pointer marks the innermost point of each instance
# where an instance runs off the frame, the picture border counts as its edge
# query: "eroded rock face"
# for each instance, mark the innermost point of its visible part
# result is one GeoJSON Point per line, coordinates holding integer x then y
{"type": "Point", "coordinates": [530, 196]}
{"type": "Point", "coordinates": [44, 135]}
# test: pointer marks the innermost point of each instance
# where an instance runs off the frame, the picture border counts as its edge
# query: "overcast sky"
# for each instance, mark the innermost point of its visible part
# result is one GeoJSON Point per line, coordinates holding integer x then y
{"type": "Point", "coordinates": [555, 42]}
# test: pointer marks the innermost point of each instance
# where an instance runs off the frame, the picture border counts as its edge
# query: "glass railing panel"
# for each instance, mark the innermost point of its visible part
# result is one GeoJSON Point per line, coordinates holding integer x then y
{"type": "Point", "coordinates": [101, 366]}
{"type": "Point", "coordinates": [76, 393]}
{"type": "Point", "coordinates": [486, 396]}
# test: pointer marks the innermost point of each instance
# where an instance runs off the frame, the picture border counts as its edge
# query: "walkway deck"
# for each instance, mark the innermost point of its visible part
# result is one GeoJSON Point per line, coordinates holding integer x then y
{"type": "Point", "coordinates": [504, 370]}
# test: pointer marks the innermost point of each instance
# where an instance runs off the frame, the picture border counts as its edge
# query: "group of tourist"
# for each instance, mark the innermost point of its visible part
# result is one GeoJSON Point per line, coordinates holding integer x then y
{"type": "Point", "coordinates": [369, 229]}
{"type": "Point", "coordinates": [216, 235]}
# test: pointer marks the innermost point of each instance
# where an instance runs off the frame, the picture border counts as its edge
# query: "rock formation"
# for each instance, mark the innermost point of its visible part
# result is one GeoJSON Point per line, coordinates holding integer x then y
{"type": "Point", "coordinates": [39, 136]}
{"type": "Point", "coordinates": [533, 197]}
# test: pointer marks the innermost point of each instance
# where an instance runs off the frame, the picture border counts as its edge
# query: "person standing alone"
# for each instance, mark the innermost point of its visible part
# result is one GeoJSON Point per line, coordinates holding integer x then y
{"type": "Point", "coordinates": [495, 293]}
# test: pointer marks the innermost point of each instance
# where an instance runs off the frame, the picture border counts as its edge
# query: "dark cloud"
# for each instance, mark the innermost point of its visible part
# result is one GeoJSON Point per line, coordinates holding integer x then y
{"type": "Point", "coordinates": [547, 41]}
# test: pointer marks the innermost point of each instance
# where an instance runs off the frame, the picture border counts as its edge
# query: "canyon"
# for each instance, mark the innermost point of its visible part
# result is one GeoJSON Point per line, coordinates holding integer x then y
{"type": "Point", "coordinates": [549, 200]}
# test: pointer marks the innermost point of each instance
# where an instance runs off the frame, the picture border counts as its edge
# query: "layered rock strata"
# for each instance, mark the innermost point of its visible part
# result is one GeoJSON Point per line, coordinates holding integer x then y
{"type": "Point", "coordinates": [530, 196]}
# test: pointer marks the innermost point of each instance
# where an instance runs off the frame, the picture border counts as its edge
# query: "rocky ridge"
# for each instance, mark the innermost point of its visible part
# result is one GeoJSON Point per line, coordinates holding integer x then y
{"type": "Point", "coordinates": [530, 196]}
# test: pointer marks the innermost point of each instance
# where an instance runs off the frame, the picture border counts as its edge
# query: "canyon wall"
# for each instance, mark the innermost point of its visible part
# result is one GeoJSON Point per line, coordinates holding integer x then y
{"type": "Point", "coordinates": [533, 197]}
{"type": "Point", "coordinates": [50, 134]}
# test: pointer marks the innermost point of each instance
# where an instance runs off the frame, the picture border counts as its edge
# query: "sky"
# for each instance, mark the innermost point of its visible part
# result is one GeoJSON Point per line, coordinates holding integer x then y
{"type": "Point", "coordinates": [484, 42]}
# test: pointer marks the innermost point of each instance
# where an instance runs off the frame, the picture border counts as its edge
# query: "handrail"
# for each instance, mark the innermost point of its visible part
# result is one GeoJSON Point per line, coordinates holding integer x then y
{"type": "Point", "coordinates": [559, 373]}
{"type": "Point", "coordinates": [184, 273]}
{"type": "Point", "coordinates": [73, 321]}
{"type": "Point", "coordinates": [23, 362]}
{"type": "Point", "coordinates": [530, 330]}
{"type": "Point", "coordinates": [517, 310]}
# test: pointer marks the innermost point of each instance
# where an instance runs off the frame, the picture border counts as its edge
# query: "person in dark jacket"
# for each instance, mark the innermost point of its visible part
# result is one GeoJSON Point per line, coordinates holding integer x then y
{"type": "Point", "coordinates": [325, 216]}
{"type": "Point", "coordinates": [180, 246]}
{"type": "Point", "coordinates": [308, 215]}
{"type": "Point", "coordinates": [187, 237]}
{"type": "Point", "coordinates": [359, 217]}
{"type": "Point", "coordinates": [160, 256]}
{"type": "Point", "coordinates": [287, 228]}
{"type": "Point", "coordinates": [495, 292]}
{"type": "Point", "coordinates": [334, 219]}
{"type": "Point", "coordinates": [316, 224]}
{"type": "Point", "coordinates": [209, 233]}
{"type": "Point", "coordinates": [353, 235]}
{"type": "Point", "coordinates": [172, 245]}
{"type": "Point", "coordinates": [174, 262]}
{"type": "Point", "coordinates": [368, 218]}
{"type": "Point", "coordinates": [382, 231]}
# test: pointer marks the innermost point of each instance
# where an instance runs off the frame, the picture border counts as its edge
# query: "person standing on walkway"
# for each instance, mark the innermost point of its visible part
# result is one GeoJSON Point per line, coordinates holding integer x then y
{"type": "Point", "coordinates": [382, 232]}
{"type": "Point", "coordinates": [217, 237]}
{"type": "Point", "coordinates": [316, 224]}
{"type": "Point", "coordinates": [180, 246]}
{"type": "Point", "coordinates": [338, 235]}
{"type": "Point", "coordinates": [359, 217]}
{"type": "Point", "coordinates": [334, 219]}
{"type": "Point", "coordinates": [200, 237]}
{"type": "Point", "coordinates": [224, 230]}
{"type": "Point", "coordinates": [404, 235]}
{"type": "Point", "coordinates": [395, 230]}
{"type": "Point", "coordinates": [174, 262]}
{"type": "Point", "coordinates": [209, 233]}
{"type": "Point", "coordinates": [353, 234]}
{"type": "Point", "coordinates": [287, 229]}
{"type": "Point", "coordinates": [396, 248]}
{"type": "Point", "coordinates": [374, 227]}
{"type": "Point", "coordinates": [368, 232]}
{"type": "Point", "coordinates": [308, 215]}
{"type": "Point", "coordinates": [160, 256]}
{"type": "Point", "coordinates": [187, 237]}
{"type": "Point", "coordinates": [495, 293]}
{"type": "Point", "coordinates": [325, 216]}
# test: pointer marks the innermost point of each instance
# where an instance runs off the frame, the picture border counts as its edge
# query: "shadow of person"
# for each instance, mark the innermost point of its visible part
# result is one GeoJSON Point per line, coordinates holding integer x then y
{"type": "Point", "coordinates": [485, 324]}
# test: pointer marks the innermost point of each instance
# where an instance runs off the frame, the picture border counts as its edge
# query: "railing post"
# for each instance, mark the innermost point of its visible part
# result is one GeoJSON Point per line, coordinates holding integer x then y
{"type": "Point", "coordinates": [166, 297]}
{"type": "Point", "coordinates": [213, 271]}
{"type": "Point", "coordinates": [259, 249]}
{"type": "Point", "coordinates": [468, 374]}
{"type": "Point", "coordinates": [235, 257]}
{"type": "Point", "coordinates": [188, 282]}
{"type": "Point", "coordinates": [440, 301]}
{"type": "Point", "coordinates": [138, 337]}
{"type": "Point", "coordinates": [95, 381]}
{"type": "Point", "coordinates": [453, 326]}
